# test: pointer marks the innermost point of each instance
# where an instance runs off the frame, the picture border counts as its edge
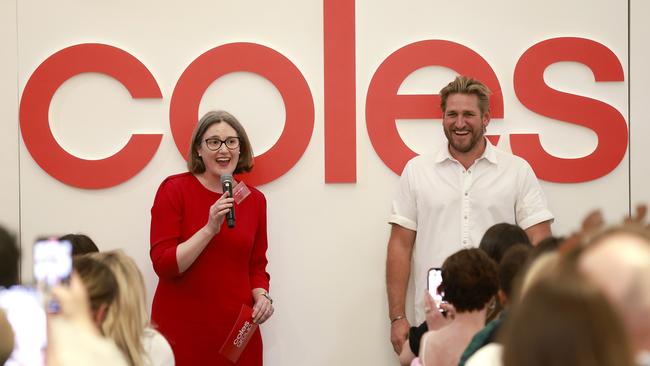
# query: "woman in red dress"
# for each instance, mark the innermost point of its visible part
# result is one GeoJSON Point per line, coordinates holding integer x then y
{"type": "Point", "coordinates": [206, 269]}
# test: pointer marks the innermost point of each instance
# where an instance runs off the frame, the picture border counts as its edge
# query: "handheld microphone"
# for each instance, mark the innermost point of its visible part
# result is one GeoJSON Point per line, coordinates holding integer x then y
{"type": "Point", "coordinates": [226, 182]}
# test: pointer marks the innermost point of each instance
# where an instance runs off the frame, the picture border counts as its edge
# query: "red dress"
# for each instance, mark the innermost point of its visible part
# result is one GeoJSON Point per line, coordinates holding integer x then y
{"type": "Point", "coordinates": [196, 310]}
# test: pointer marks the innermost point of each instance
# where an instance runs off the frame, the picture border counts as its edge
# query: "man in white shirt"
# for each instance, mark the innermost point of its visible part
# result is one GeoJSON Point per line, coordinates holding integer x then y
{"type": "Point", "coordinates": [451, 198]}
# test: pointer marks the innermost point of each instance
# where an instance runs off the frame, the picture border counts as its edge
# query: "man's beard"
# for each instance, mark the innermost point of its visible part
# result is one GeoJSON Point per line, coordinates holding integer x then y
{"type": "Point", "coordinates": [466, 147]}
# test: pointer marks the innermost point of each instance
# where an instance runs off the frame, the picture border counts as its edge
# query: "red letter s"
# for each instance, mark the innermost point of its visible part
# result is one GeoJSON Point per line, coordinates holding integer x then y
{"type": "Point", "coordinates": [603, 119]}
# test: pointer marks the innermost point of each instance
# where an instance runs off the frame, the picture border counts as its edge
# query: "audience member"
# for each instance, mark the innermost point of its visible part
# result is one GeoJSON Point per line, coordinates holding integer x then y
{"type": "Point", "coordinates": [539, 268]}
{"type": "Point", "coordinates": [495, 242]}
{"type": "Point", "coordinates": [501, 237]}
{"type": "Point", "coordinates": [469, 281]}
{"type": "Point", "coordinates": [74, 338]}
{"type": "Point", "coordinates": [9, 259]}
{"type": "Point", "coordinates": [81, 244]}
{"type": "Point", "coordinates": [565, 320]}
{"type": "Point", "coordinates": [127, 320]}
{"type": "Point", "coordinates": [511, 267]}
{"type": "Point", "coordinates": [100, 285]}
{"type": "Point", "coordinates": [618, 261]}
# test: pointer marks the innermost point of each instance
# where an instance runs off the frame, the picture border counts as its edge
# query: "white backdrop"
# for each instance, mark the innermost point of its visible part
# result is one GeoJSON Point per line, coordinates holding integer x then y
{"type": "Point", "coordinates": [327, 241]}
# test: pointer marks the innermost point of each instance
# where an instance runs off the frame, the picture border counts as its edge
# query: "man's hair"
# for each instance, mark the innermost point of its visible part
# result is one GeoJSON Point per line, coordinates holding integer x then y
{"type": "Point", "coordinates": [466, 85]}
{"type": "Point", "coordinates": [194, 162]}
{"type": "Point", "coordinates": [469, 279]}
{"type": "Point", "coordinates": [500, 237]}
{"type": "Point", "coordinates": [9, 258]}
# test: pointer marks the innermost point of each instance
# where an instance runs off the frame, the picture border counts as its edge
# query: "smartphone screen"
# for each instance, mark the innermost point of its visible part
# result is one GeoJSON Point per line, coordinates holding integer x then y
{"type": "Point", "coordinates": [52, 266]}
{"type": "Point", "coordinates": [52, 262]}
{"type": "Point", "coordinates": [434, 280]}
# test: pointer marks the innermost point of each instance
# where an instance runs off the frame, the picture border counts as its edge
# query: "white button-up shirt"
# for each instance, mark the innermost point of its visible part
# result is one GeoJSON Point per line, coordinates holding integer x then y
{"type": "Point", "coordinates": [451, 207]}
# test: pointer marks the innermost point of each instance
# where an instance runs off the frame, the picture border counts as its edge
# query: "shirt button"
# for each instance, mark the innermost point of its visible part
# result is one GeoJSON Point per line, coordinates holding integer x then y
{"type": "Point", "coordinates": [469, 172]}
{"type": "Point", "coordinates": [465, 217]}
{"type": "Point", "coordinates": [466, 193]}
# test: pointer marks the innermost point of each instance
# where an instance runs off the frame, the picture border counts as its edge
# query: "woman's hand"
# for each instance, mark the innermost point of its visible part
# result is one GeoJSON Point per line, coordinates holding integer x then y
{"type": "Point", "coordinates": [218, 212]}
{"type": "Point", "coordinates": [75, 307]}
{"type": "Point", "coordinates": [263, 308]}
{"type": "Point", "coordinates": [434, 317]}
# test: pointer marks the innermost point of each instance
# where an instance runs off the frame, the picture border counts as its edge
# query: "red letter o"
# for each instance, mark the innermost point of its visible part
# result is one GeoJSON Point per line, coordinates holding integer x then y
{"type": "Point", "coordinates": [268, 63]}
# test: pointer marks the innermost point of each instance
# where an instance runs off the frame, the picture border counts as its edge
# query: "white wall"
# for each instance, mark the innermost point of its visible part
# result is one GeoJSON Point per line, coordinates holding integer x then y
{"type": "Point", "coordinates": [9, 138]}
{"type": "Point", "coordinates": [639, 121]}
{"type": "Point", "coordinates": [327, 241]}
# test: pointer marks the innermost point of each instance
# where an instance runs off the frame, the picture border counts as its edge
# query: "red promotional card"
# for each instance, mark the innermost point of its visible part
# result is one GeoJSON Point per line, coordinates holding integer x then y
{"type": "Point", "coordinates": [240, 334]}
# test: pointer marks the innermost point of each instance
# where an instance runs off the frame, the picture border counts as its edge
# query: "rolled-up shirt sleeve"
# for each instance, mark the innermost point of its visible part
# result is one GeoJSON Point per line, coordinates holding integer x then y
{"type": "Point", "coordinates": [166, 216]}
{"type": "Point", "coordinates": [531, 207]}
{"type": "Point", "coordinates": [404, 205]}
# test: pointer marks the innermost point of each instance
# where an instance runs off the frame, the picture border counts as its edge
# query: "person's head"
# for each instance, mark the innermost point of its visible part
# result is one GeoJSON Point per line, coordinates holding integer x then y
{"type": "Point", "coordinates": [81, 244]}
{"type": "Point", "coordinates": [220, 146]}
{"type": "Point", "coordinates": [500, 237]}
{"type": "Point", "coordinates": [546, 245]}
{"type": "Point", "coordinates": [564, 320]}
{"type": "Point", "coordinates": [469, 280]}
{"type": "Point", "coordinates": [618, 261]}
{"type": "Point", "coordinates": [511, 266]}
{"type": "Point", "coordinates": [9, 258]}
{"type": "Point", "coordinates": [465, 105]}
{"type": "Point", "coordinates": [538, 269]}
{"type": "Point", "coordinates": [100, 284]}
{"type": "Point", "coordinates": [127, 317]}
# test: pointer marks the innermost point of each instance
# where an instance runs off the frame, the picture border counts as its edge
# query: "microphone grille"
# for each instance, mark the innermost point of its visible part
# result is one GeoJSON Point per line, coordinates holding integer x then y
{"type": "Point", "coordinates": [226, 178]}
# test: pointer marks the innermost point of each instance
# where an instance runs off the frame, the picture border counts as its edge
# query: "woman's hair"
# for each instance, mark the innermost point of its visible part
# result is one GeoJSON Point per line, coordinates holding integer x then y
{"type": "Point", "coordinates": [127, 318]}
{"type": "Point", "coordinates": [469, 279]}
{"type": "Point", "coordinates": [512, 266]}
{"type": "Point", "coordinates": [564, 320]}
{"type": "Point", "coordinates": [81, 244]}
{"type": "Point", "coordinates": [195, 164]}
{"type": "Point", "coordinates": [99, 281]}
{"type": "Point", "coordinates": [500, 237]}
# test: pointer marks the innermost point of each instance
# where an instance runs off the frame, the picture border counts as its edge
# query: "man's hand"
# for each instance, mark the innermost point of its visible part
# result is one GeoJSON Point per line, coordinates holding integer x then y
{"type": "Point", "coordinates": [399, 331]}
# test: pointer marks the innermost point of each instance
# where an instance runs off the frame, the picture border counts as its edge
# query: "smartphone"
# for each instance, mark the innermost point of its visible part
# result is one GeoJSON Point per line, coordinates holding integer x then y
{"type": "Point", "coordinates": [52, 262]}
{"type": "Point", "coordinates": [52, 266]}
{"type": "Point", "coordinates": [434, 280]}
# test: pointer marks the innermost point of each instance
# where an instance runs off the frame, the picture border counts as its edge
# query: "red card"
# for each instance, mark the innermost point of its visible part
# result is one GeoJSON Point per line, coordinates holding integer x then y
{"type": "Point", "coordinates": [240, 192]}
{"type": "Point", "coordinates": [241, 333]}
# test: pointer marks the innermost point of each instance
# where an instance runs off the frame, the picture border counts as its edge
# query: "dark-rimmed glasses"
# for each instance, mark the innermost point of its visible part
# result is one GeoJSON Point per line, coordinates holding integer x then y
{"type": "Point", "coordinates": [214, 143]}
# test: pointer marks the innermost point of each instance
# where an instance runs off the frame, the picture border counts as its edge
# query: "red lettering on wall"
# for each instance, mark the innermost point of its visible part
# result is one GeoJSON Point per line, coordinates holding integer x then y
{"type": "Point", "coordinates": [35, 105]}
{"type": "Point", "coordinates": [266, 62]}
{"type": "Point", "coordinates": [384, 105]}
{"type": "Point", "coordinates": [340, 92]}
{"type": "Point", "coordinates": [603, 119]}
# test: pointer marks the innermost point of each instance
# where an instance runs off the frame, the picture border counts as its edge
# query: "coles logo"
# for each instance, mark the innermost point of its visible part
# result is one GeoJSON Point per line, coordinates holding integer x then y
{"type": "Point", "coordinates": [383, 104]}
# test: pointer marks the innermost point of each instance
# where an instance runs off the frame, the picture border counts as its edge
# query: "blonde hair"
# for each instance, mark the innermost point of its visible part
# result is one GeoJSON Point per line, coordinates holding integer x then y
{"type": "Point", "coordinates": [466, 85]}
{"type": "Point", "coordinates": [127, 318]}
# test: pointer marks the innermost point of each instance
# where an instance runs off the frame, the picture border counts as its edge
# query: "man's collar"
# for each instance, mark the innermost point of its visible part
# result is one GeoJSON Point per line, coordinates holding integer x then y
{"type": "Point", "coordinates": [489, 154]}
